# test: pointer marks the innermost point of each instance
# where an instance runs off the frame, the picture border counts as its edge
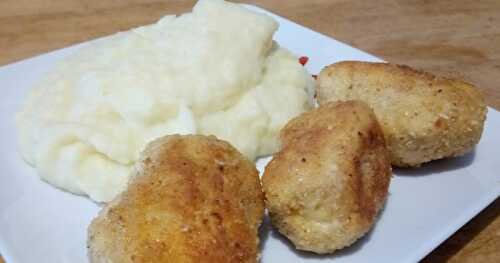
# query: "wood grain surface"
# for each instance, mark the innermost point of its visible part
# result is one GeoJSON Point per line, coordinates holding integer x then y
{"type": "Point", "coordinates": [452, 38]}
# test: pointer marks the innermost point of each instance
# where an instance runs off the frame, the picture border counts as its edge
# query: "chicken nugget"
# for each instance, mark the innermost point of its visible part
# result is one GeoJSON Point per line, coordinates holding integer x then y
{"type": "Point", "coordinates": [328, 182]}
{"type": "Point", "coordinates": [423, 117]}
{"type": "Point", "coordinates": [193, 199]}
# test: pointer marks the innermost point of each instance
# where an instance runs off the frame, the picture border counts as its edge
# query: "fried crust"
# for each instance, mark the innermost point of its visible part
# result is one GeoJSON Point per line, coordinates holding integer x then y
{"type": "Point", "coordinates": [193, 199]}
{"type": "Point", "coordinates": [325, 187]}
{"type": "Point", "coordinates": [423, 117]}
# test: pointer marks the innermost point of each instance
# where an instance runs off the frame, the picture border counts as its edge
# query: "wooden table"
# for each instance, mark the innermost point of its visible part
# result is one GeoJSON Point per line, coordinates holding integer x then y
{"type": "Point", "coordinates": [453, 38]}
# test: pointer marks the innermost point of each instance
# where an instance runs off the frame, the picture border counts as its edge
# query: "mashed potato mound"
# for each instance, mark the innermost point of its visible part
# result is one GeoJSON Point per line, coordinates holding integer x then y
{"type": "Point", "coordinates": [214, 71]}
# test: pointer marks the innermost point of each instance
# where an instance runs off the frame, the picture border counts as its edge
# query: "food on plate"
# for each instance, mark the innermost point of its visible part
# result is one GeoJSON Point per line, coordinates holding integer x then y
{"type": "Point", "coordinates": [215, 71]}
{"type": "Point", "coordinates": [192, 198]}
{"type": "Point", "coordinates": [326, 185]}
{"type": "Point", "coordinates": [423, 117]}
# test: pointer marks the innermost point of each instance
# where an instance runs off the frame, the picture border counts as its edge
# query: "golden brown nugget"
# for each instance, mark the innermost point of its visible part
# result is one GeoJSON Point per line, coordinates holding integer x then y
{"type": "Point", "coordinates": [423, 117]}
{"type": "Point", "coordinates": [193, 199]}
{"type": "Point", "coordinates": [325, 187]}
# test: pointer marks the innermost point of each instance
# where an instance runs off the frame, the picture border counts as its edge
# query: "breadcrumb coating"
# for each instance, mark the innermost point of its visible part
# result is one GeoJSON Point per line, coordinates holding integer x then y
{"type": "Point", "coordinates": [325, 187]}
{"type": "Point", "coordinates": [423, 117]}
{"type": "Point", "coordinates": [193, 199]}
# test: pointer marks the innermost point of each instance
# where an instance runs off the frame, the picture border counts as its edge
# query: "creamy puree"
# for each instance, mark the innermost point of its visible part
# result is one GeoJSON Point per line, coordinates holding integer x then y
{"type": "Point", "coordinates": [214, 71]}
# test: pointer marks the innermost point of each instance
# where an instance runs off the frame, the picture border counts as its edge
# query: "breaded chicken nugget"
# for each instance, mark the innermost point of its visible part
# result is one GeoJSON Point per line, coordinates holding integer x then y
{"type": "Point", "coordinates": [325, 187]}
{"type": "Point", "coordinates": [193, 199]}
{"type": "Point", "coordinates": [423, 117]}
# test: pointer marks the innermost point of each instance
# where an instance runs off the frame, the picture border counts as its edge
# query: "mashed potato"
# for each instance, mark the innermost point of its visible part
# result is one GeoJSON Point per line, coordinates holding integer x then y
{"type": "Point", "coordinates": [214, 71]}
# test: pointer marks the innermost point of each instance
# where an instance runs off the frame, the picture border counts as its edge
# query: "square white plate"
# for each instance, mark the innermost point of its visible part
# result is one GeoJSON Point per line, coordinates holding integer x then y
{"type": "Point", "coordinates": [39, 223]}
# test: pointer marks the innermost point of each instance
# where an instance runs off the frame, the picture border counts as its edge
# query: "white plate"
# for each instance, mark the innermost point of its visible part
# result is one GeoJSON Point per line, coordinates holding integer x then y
{"type": "Point", "coordinates": [39, 223]}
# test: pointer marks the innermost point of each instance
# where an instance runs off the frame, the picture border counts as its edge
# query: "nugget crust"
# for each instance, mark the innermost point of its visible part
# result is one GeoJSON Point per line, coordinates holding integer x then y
{"type": "Point", "coordinates": [193, 199]}
{"type": "Point", "coordinates": [325, 187]}
{"type": "Point", "coordinates": [423, 117]}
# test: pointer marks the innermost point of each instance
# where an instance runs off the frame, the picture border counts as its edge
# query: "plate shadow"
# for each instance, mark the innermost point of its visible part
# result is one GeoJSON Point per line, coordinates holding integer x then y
{"type": "Point", "coordinates": [438, 166]}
